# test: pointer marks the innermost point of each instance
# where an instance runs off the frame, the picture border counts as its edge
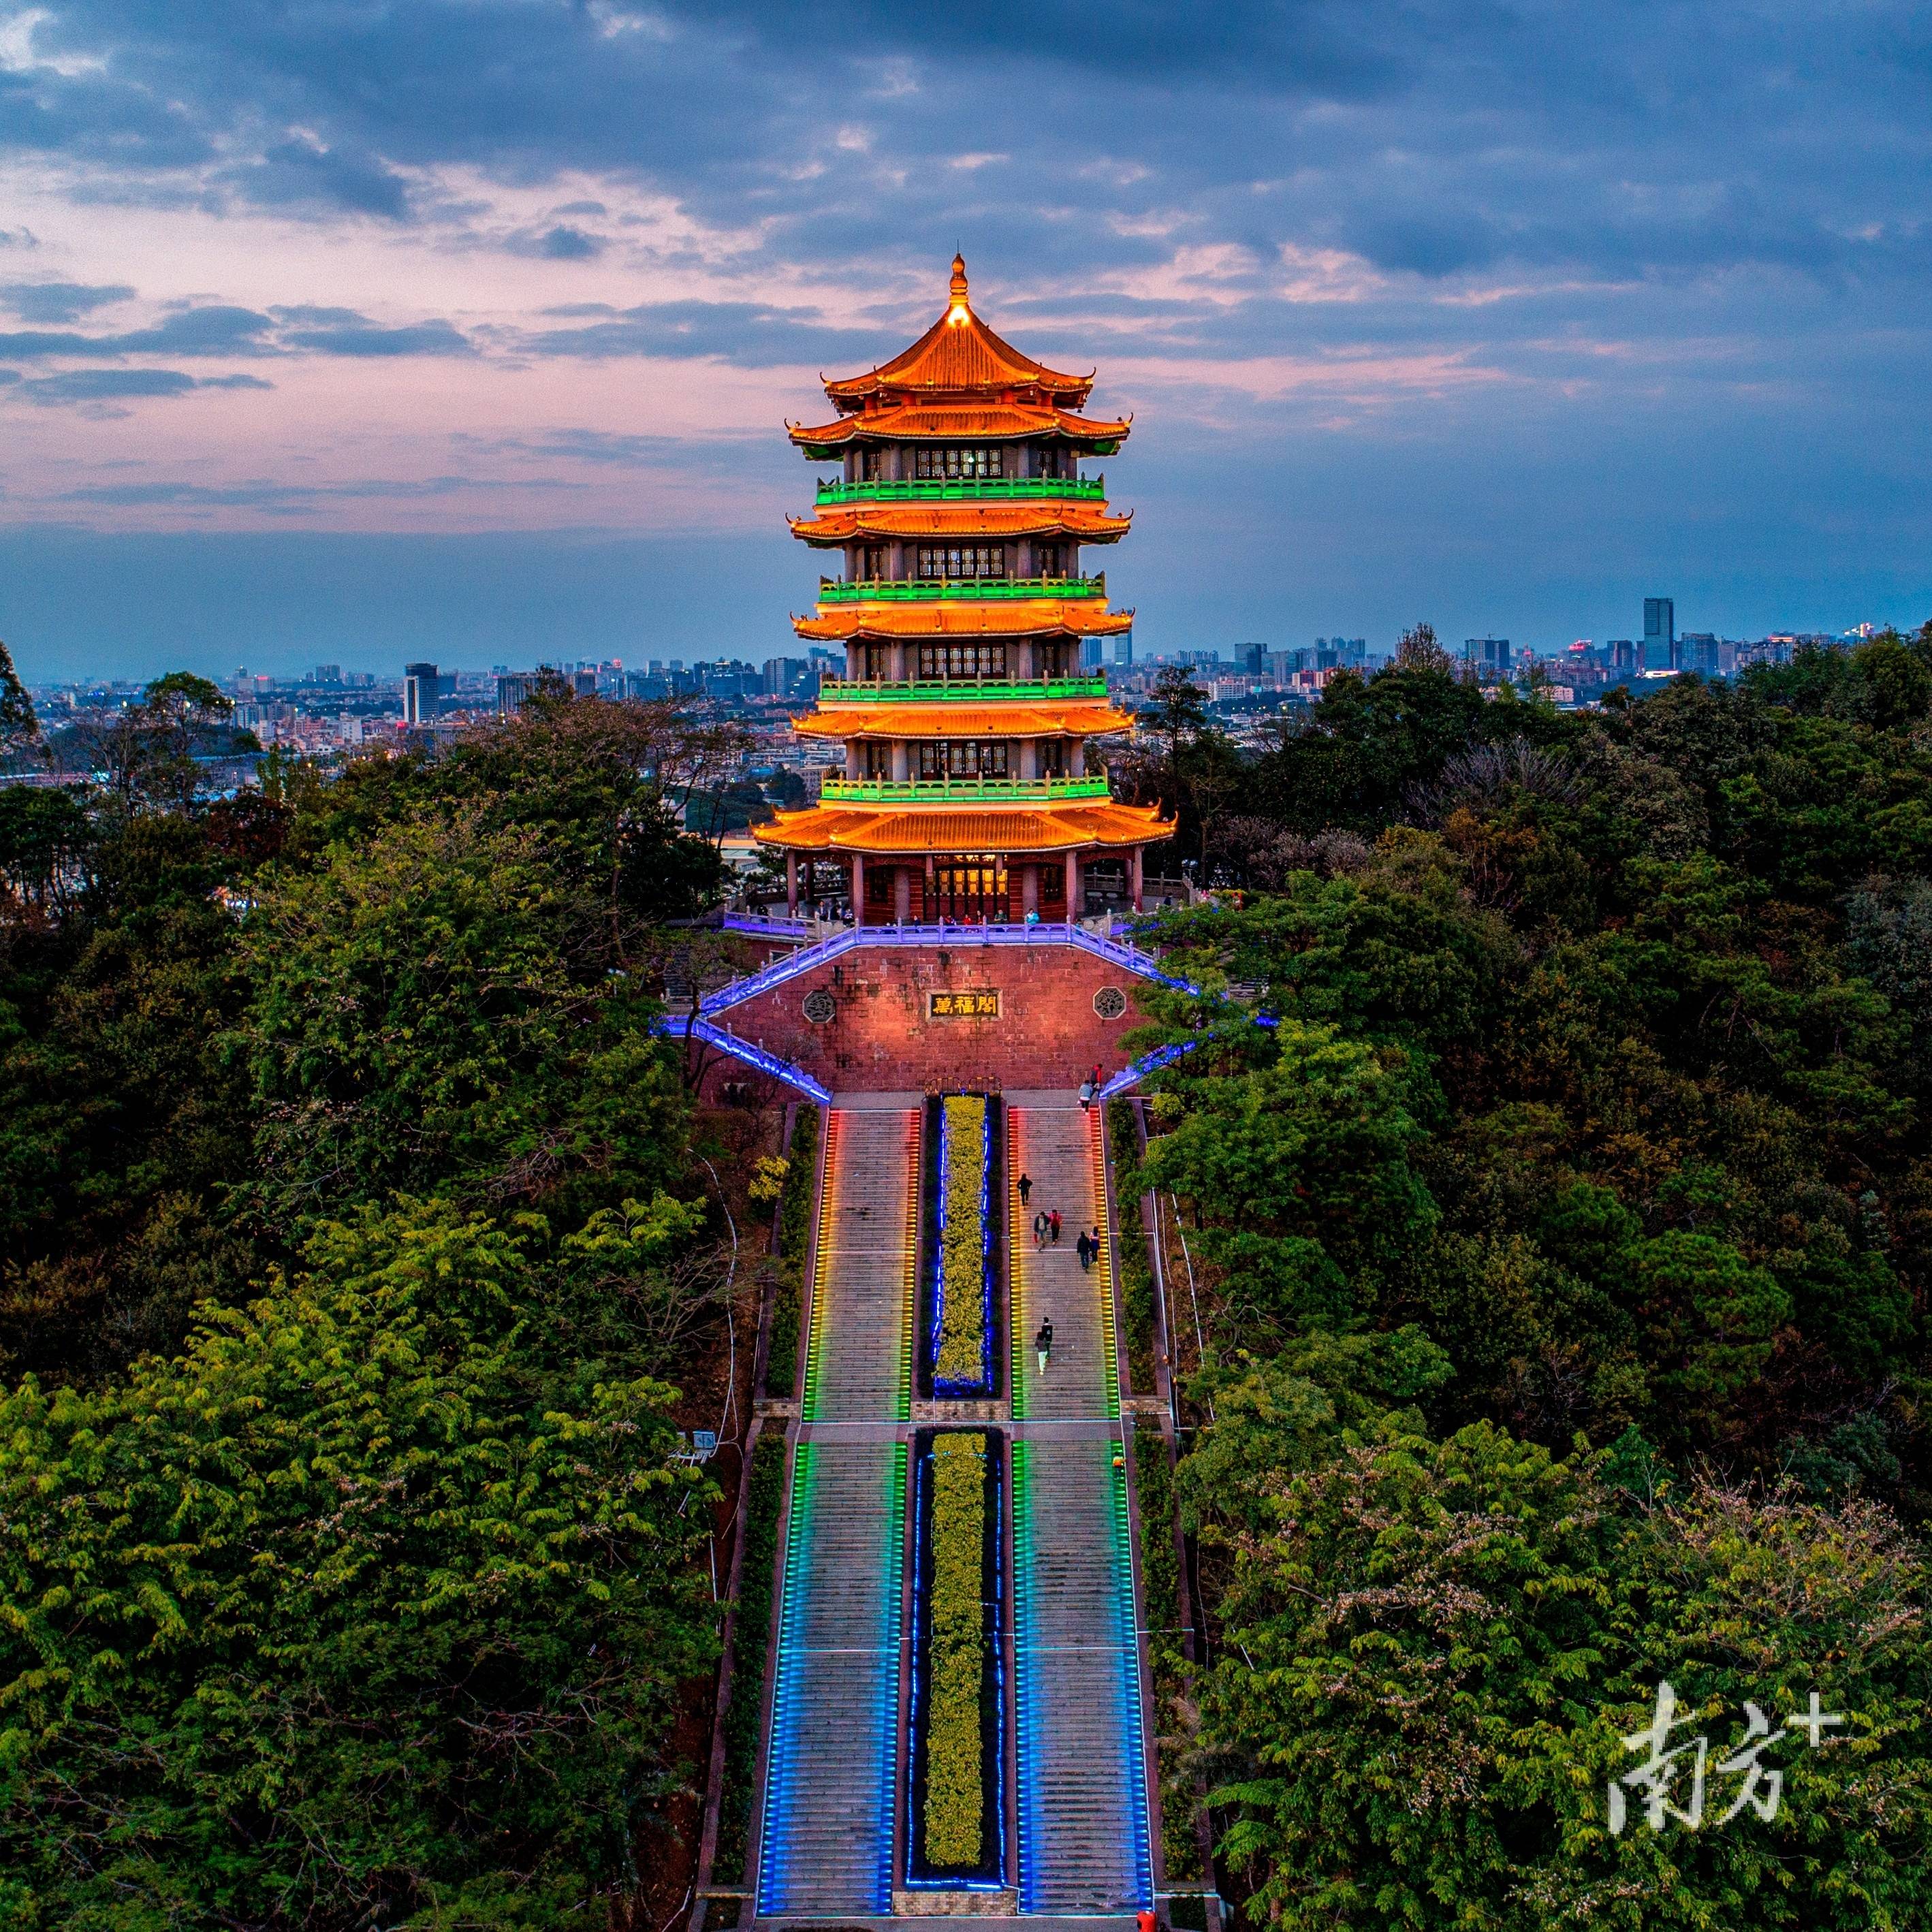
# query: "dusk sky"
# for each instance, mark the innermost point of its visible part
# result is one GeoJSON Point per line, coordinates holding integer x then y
{"type": "Point", "coordinates": [356, 332]}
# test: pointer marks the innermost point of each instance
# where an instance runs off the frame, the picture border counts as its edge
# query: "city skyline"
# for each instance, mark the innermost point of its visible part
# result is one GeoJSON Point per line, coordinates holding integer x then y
{"type": "Point", "coordinates": [459, 333]}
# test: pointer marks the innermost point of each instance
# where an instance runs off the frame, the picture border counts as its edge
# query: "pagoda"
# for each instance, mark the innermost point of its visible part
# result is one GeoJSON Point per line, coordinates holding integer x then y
{"type": "Point", "coordinates": [969, 794]}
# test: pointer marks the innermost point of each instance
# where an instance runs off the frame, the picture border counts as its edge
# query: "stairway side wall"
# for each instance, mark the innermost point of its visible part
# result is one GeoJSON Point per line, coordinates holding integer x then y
{"type": "Point", "coordinates": [881, 1039]}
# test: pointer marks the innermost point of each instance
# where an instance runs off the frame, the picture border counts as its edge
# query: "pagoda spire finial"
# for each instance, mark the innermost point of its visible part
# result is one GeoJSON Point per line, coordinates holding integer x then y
{"type": "Point", "coordinates": [958, 286]}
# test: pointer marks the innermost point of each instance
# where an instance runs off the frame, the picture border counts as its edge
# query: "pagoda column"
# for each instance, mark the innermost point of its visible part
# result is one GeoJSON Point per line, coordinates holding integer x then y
{"type": "Point", "coordinates": [902, 894]}
{"type": "Point", "coordinates": [858, 888]}
{"type": "Point", "coordinates": [1135, 880]}
{"type": "Point", "coordinates": [1076, 758]}
{"type": "Point", "coordinates": [791, 885]}
{"type": "Point", "coordinates": [1029, 888]}
{"type": "Point", "coordinates": [1072, 888]}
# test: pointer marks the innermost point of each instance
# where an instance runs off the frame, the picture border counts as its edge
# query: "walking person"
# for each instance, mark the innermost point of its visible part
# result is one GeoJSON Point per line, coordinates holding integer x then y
{"type": "Point", "coordinates": [1043, 1342]}
{"type": "Point", "coordinates": [1053, 1227]}
{"type": "Point", "coordinates": [1086, 1095]}
{"type": "Point", "coordinates": [1039, 1227]}
{"type": "Point", "coordinates": [1024, 1183]}
{"type": "Point", "coordinates": [1083, 1250]}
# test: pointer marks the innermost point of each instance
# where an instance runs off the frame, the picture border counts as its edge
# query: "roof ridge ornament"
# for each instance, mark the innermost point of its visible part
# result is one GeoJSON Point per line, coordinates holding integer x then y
{"type": "Point", "coordinates": [959, 308]}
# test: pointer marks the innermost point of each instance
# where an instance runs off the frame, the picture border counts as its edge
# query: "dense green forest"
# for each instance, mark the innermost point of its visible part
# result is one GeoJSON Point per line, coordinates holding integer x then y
{"type": "Point", "coordinates": [1560, 1206]}
{"type": "Point", "coordinates": [360, 1269]}
{"type": "Point", "coordinates": [1553, 1165]}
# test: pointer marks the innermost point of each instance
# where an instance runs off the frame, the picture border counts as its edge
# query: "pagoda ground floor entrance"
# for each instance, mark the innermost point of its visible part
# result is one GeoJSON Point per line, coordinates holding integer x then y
{"type": "Point", "coordinates": [979, 889]}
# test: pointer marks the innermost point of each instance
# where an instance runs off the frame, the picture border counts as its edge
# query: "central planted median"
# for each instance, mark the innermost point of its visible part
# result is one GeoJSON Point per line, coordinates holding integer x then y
{"type": "Point", "coordinates": [957, 1836]}
{"type": "Point", "coordinates": [961, 1313]}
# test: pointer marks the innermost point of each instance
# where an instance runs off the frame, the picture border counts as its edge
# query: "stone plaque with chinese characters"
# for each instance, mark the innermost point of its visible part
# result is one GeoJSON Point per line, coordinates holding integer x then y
{"type": "Point", "coordinates": [978, 1005]}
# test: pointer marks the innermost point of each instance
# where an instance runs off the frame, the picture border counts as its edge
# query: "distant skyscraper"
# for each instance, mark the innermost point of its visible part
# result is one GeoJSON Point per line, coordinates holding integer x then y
{"type": "Point", "coordinates": [420, 701]}
{"type": "Point", "coordinates": [1489, 654]}
{"type": "Point", "coordinates": [1123, 651]}
{"type": "Point", "coordinates": [1698, 651]}
{"type": "Point", "coordinates": [1659, 633]}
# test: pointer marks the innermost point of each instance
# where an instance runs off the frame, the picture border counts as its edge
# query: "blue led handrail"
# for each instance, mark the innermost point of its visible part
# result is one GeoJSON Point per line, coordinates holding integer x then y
{"type": "Point", "coordinates": [1128, 957]}
{"type": "Point", "coordinates": [682, 1026]}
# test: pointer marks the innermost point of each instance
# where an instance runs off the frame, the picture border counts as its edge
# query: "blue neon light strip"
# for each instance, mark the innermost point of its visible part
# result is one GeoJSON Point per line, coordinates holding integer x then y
{"type": "Point", "coordinates": [1129, 959]}
{"type": "Point", "coordinates": [1133, 1730]}
{"type": "Point", "coordinates": [788, 1765]}
{"type": "Point", "coordinates": [782, 1750]}
{"type": "Point", "coordinates": [996, 1647]}
{"type": "Point", "coordinates": [682, 1026]}
{"type": "Point", "coordinates": [938, 1326]}
{"type": "Point", "coordinates": [983, 1385]}
{"type": "Point", "coordinates": [1034, 1665]}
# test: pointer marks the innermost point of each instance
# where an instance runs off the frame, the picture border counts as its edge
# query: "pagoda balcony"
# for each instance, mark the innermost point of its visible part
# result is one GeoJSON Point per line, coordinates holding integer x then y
{"type": "Point", "coordinates": [976, 690]}
{"type": "Point", "coordinates": [947, 589]}
{"type": "Point", "coordinates": [968, 489]}
{"type": "Point", "coordinates": [969, 791]}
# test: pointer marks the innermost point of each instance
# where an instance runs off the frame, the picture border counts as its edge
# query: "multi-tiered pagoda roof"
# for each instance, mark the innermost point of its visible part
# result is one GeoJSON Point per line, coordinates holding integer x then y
{"type": "Point", "coordinates": [965, 708]}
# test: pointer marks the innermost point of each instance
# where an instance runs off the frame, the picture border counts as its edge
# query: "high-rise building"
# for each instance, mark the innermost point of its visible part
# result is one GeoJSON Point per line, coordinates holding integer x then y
{"type": "Point", "coordinates": [1123, 652]}
{"type": "Point", "coordinates": [964, 705]}
{"type": "Point", "coordinates": [422, 699]}
{"type": "Point", "coordinates": [1488, 654]}
{"type": "Point", "coordinates": [514, 688]}
{"type": "Point", "coordinates": [1698, 651]}
{"type": "Point", "coordinates": [1660, 634]}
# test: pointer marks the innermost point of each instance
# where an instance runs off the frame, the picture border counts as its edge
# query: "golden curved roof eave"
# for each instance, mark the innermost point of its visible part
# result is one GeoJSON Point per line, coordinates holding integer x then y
{"type": "Point", "coordinates": [890, 831]}
{"type": "Point", "coordinates": [888, 520]}
{"type": "Point", "coordinates": [963, 717]}
{"type": "Point", "coordinates": [936, 620]}
{"type": "Point", "coordinates": [958, 352]}
{"type": "Point", "coordinates": [933, 420]}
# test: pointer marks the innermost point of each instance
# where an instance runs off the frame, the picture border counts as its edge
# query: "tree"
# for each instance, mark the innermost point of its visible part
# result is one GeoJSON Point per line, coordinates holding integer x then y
{"type": "Point", "coordinates": [19, 729]}
{"type": "Point", "coordinates": [1435, 1649]}
{"type": "Point", "coordinates": [369, 1609]}
{"type": "Point", "coordinates": [144, 753]}
{"type": "Point", "coordinates": [1176, 712]}
{"type": "Point", "coordinates": [438, 1006]}
{"type": "Point", "coordinates": [1300, 1173]}
{"type": "Point", "coordinates": [1417, 650]}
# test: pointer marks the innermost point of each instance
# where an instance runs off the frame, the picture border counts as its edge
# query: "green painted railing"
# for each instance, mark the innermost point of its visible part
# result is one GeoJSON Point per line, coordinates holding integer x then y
{"type": "Point", "coordinates": [883, 590]}
{"type": "Point", "coordinates": [968, 489]}
{"type": "Point", "coordinates": [942, 791]}
{"type": "Point", "coordinates": [961, 690]}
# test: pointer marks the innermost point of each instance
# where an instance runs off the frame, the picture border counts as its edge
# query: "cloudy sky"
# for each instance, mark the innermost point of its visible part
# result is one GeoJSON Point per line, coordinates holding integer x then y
{"type": "Point", "coordinates": [347, 330]}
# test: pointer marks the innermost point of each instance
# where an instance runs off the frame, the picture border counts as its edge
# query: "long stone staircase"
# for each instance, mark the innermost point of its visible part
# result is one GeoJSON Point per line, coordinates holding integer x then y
{"type": "Point", "coordinates": [825, 1847]}
{"type": "Point", "coordinates": [834, 1766]}
{"type": "Point", "coordinates": [1083, 1809]}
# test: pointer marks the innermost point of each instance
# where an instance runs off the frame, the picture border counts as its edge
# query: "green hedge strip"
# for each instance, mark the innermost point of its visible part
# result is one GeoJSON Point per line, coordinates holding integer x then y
{"type": "Point", "coordinates": [962, 1333]}
{"type": "Point", "coordinates": [794, 1232]}
{"type": "Point", "coordinates": [955, 1809]}
{"type": "Point", "coordinates": [1130, 1247]}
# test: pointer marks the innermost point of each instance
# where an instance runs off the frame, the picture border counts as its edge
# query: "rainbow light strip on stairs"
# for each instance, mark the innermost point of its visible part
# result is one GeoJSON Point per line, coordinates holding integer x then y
{"type": "Point", "coordinates": [1033, 1662]}
{"type": "Point", "coordinates": [790, 1710]}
